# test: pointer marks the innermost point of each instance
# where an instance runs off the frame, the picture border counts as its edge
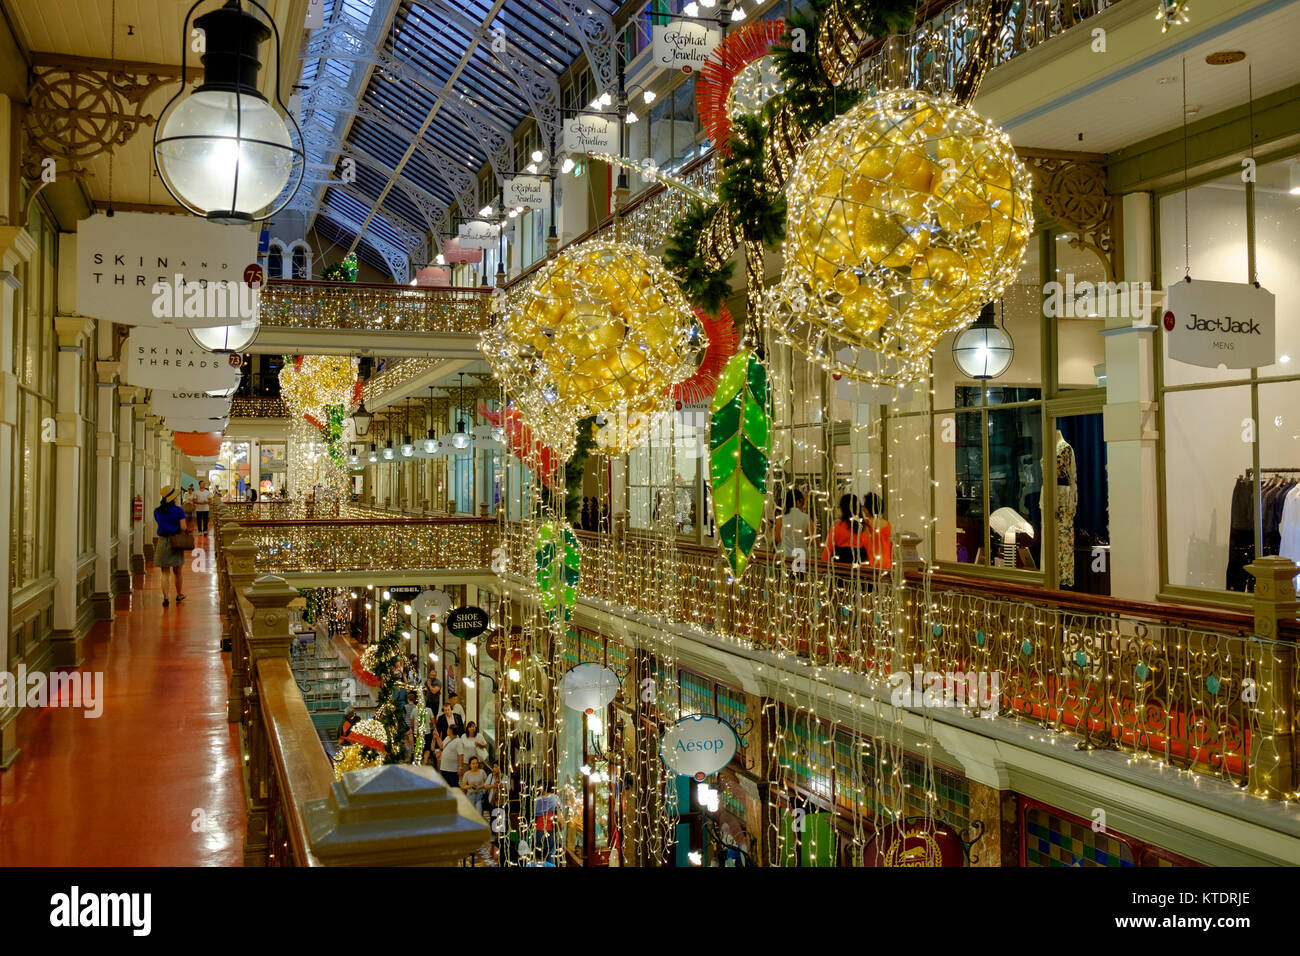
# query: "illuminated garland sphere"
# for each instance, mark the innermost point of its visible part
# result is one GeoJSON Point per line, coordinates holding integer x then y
{"type": "Point", "coordinates": [518, 367]}
{"type": "Point", "coordinates": [609, 328]}
{"type": "Point", "coordinates": [815, 328]}
{"type": "Point", "coordinates": [318, 382]}
{"type": "Point", "coordinates": [907, 214]}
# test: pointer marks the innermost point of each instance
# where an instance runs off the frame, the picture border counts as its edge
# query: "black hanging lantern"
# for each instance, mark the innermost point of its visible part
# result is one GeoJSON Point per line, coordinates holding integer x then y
{"type": "Point", "coordinates": [223, 151]}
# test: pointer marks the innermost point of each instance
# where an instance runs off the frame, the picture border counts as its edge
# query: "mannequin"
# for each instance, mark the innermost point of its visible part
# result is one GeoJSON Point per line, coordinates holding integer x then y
{"type": "Point", "coordinates": [1067, 503]}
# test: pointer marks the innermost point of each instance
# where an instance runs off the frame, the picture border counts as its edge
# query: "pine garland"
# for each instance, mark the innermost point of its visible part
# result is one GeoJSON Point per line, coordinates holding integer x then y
{"type": "Point", "coordinates": [744, 189]}
{"type": "Point", "coordinates": [703, 287]}
{"type": "Point", "coordinates": [389, 665]}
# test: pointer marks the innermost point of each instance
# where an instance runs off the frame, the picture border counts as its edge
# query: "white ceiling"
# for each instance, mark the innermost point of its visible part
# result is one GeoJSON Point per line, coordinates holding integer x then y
{"type": "Point", "coordinates": [1141, 94]}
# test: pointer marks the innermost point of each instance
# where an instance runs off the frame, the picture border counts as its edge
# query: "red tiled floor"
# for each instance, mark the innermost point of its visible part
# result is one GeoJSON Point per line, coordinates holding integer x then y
{"type": "Point", "coordinates": [122, 789]}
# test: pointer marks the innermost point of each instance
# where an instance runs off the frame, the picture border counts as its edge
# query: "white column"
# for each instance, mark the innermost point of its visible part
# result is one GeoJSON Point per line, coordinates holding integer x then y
{"type": "Point", "coordinates": [126, 485]}
{"type": "Point", "coordinates": [152, 482]}
{"type": "Point", "coordinates": [16, 247]}
{"type": "Point", "coordinates": [105, 467]}
{"type": "Point", "coordinates": [71, 443]}
{"type": "Point", "coordinates": [1130, 426]}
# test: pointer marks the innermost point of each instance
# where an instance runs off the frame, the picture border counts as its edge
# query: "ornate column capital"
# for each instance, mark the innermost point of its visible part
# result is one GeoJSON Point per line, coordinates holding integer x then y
{"type": "Point", "coordinates": [71, 329]}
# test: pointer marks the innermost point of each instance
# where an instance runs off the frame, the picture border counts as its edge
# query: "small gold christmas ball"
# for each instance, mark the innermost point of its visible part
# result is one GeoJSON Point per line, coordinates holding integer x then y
{"type": "Point", "coordinates": [917, 199]}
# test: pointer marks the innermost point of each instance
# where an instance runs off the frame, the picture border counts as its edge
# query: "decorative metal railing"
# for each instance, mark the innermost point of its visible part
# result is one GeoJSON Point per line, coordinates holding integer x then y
{"type": "Point", "coordinates": [371, 544]}
{"type": "Point", "coordinates": [934, 54]}
{"type": "Point", "coordinates": [1187, 687]}
{"type": "Point", "coordinates": [258, 407]}
{"type": "Point", "coordinates": [369, 307]}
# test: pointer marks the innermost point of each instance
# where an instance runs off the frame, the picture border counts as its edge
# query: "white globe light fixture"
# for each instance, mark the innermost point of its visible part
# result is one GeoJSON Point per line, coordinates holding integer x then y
{"type": "Point", "coordinates": [223, 151]}
{"type": "Point", "coordinates": [984, 350]}
{"type": "Point", "coordinates": [225, 338]}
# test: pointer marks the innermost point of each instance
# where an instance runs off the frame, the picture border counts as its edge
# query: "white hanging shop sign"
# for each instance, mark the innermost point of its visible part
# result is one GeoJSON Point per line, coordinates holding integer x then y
{"type": "Point", "coordinates": [684, 44]}
{"type": "Point", "coordinates": [479, 235]}
{"type": "Point", "coordinates": [168, 359]}
{"type": "Point", "coordinates": [1210, 324]}
{"type": "Point", "coordinates": [133, 265]}
{"type": "Point", "coordinates": [530, 192]}
{"type": "Point", "coordinates": [698, 746]}
{"type": "Point", "coordinates": [591, 134]}
{"type": "Point", "coordinates": [178, 424]}
{"type": "Point", "coordinates": [189, 405]}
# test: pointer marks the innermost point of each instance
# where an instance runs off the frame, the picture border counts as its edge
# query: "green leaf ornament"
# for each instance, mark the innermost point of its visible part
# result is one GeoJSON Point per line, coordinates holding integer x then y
{"type": "Point", "coordinates": [558, 567]}
{"type": "Point", "coordinates": [738, 452]}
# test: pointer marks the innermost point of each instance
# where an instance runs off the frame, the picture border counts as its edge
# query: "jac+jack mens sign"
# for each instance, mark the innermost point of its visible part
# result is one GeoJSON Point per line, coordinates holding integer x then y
{"type": "Point", "coordinates": [698, 746]}
{"type": "Point", "coordinates": [1220, 323]}
{"type": "Point", "coordinates": [591, 134]}
{"type": "Point", "coordinates": [120, 260]}
{"type": "Point", "coordinates": [531, 192]}
{"type": "Point", "coordinates": [684, 45]}
{"type": "Point", "coordinates": [168, 359]}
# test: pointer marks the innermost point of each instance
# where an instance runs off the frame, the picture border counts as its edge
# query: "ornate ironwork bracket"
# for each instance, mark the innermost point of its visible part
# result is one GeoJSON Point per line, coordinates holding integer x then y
{"type": "Point", "coordinates": [80, 109]}
{"type": "Point", "coordinates": [1070, 189]}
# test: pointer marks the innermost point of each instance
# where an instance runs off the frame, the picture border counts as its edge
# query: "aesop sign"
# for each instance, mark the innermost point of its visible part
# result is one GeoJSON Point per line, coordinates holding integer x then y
{"type": "Point", "coordinates": [1220, 323]}
{"type": "Point", "coordinates": [467, 623]}
{"type": "Point", "coordinates": [697, 746]}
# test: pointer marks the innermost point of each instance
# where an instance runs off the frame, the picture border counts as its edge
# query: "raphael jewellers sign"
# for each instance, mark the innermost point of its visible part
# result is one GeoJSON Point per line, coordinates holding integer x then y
{"type": "Point", "coordinates": [684, 45]}
{"type": "Point", "coordinates": [591, 134]}
{"type": "Point", "coordinates": [531, 192]}
{"type": "Point", "coordinates": [1220, 323]}
{"type": "Point", "coordinates": [120, 260]}
{"type": "Point", "coordinates": [167, 359]}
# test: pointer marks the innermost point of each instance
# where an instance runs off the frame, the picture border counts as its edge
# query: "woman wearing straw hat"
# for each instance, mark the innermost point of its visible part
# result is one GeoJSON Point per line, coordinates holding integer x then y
{"type": "Point", "coordinates": [170, 518]}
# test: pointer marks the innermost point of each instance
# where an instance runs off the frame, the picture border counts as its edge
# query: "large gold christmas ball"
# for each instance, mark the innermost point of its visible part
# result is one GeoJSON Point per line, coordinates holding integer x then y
{"type": "Point", "coordinates": [906, 215]}
{"type": "Point", "coordinates": [519, 368]}
{"type": "Point", "coordinates": [606, 328]}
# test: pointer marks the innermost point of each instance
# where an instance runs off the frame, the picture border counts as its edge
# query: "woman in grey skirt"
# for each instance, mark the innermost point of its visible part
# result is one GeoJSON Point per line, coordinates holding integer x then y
{"type": "Point", "coordinates": [170, 518]}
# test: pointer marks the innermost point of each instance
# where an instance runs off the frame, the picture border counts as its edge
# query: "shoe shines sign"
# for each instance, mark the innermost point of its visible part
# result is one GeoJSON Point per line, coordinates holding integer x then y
{"type": "Point", "coordinates": [1233, 324]}
{"type": "Point", "coordinates": [130, 263]}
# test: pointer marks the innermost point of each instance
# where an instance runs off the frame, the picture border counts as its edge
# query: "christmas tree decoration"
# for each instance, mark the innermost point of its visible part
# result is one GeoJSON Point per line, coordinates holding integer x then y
{"type": "Point", "coordinates": [606, 327]}
{"type": "Point", "coordinates": [343, 271]}
{"type": "Point", "coordinates": [559, 565]}
{"type": "Point", "coordinates": [738, 456]}
{"type": "Point", "coordinates": [906, 215]}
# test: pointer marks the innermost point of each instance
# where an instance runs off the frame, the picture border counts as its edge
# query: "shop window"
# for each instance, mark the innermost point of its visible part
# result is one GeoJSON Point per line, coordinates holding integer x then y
{"type": "Point", "coordinates": [1086, 306]}
{"type": "Point", "coordinates": [1231, 437]}
{"type": "Point", "coordinates": [664, 476]}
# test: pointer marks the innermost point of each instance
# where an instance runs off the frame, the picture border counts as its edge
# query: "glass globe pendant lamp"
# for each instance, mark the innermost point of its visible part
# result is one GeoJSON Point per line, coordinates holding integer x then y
{"type": "Point", "coordinates": [223, 151]}
{"type": "Point", "coordinates": [983, 350]}
{"type": "Point", "coordinates": [224, 338]}
{"type": "Point", "coordinates": [461, 439]}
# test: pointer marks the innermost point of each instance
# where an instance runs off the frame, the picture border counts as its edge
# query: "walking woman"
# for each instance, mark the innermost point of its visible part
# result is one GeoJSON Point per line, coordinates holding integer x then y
{"type": "Point", "coordinates": [170, 518]}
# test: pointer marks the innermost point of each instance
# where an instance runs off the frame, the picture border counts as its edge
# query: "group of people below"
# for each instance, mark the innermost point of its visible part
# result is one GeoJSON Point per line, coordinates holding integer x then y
{"type": "Point", "coordinates": [447, 741]}
{"type": "Point", "coordinates": [860, 536]}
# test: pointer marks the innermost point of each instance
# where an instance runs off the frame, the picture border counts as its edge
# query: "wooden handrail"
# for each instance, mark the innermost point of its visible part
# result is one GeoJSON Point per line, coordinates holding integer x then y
{"type": "Point", "coordinates": [302, 771]}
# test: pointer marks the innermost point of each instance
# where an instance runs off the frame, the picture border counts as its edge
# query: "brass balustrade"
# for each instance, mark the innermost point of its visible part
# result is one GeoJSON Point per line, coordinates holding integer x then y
{"type": "Point", "coordinates": [258, 406]}
{"type": "Point", "coordinates": [1193, 688]}
{"type": "Point", "coordinates": [374, 307]}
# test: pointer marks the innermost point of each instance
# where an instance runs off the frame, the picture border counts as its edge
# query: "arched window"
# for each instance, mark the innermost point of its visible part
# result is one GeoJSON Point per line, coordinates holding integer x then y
{"type": "Point", "coordinates": [275, 260]}
{"type": "Point", "coordinates": [301, 261]}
